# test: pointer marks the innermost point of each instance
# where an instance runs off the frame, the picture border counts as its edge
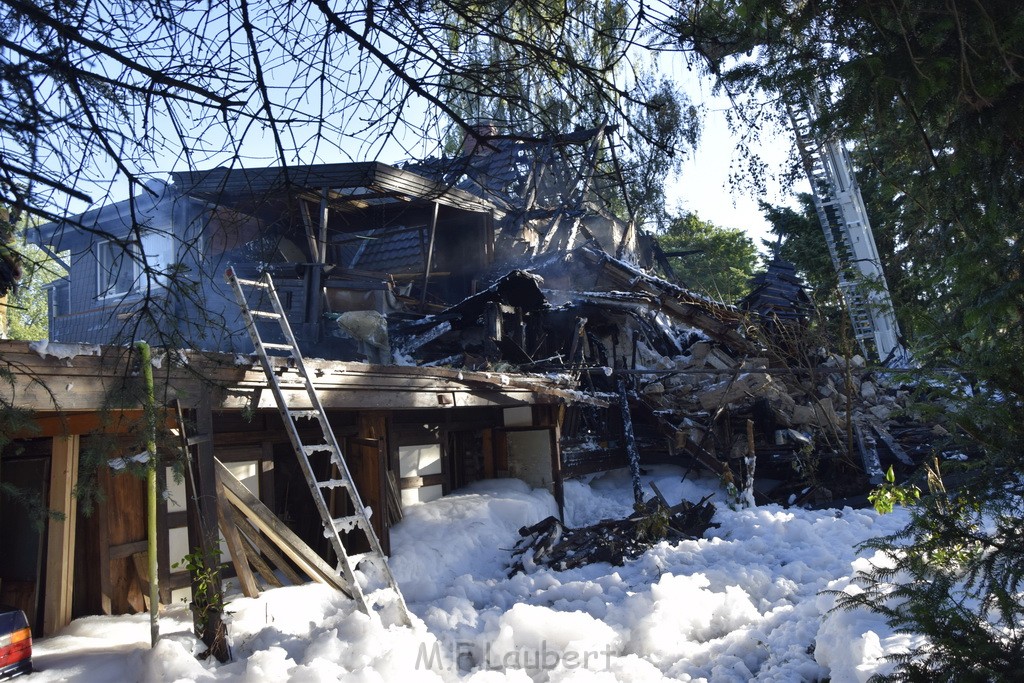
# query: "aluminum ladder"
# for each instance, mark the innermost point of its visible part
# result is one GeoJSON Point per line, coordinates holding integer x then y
{"type": "Point", "coordinates": [851, 242]}
{"type": "Point", "coordinates": [381, 591]}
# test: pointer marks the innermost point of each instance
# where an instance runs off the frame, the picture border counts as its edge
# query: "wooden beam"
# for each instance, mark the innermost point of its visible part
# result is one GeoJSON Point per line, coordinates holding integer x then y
{"type": "Point", "coordinates": [60, 545]}
{"type": "Point", "coordinates": [257, 539]}
{"type": "Point", "coordinates": [258, 563]}
{"type": "Point", "coordinates": [39, 383]}
{"type": "Point", "coordinates": [283, 537]}
{"type": "Point", "coordinates": [122, 550]}
{"type": "Point", "coordinates": [112, 422]}
{"type": "Point", "coordinates": [229, 528]}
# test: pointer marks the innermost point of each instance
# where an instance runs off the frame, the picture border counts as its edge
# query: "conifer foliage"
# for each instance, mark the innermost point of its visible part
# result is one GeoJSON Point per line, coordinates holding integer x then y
{"type": "Point", "coordinates": [928, 96]}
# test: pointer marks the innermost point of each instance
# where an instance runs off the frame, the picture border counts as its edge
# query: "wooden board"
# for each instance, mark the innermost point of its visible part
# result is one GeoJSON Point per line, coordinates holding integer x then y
{"type": "Point", "coordinates": [60, 550]}
{"type": "Point", "coordinates": [279, 534]}
{"type": "Point", "coordinates": [229, 528]}
{"type": "Point", "coordinates": [253, 536]}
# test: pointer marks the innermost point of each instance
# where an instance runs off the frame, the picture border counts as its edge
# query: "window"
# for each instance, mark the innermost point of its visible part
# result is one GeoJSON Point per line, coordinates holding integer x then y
{"type": "Point", "coordinates": [60, 297]}
{"type": "Point", "coordinates": [120, 267]}
{"type": "Point", "coordinates": [116, 269]}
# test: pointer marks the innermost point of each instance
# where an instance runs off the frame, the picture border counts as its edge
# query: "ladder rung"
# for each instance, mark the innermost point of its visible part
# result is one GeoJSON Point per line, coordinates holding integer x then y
{"type": "Point", "coordinates": [252, 283]}
{"type": "Point", "coordinates": [347, 523]}
{"type": "Point", "coordinates": [332, 483]}
{"type": "Point", "coordinates": [271, 315]}
{"type": "Point", "coordinates": [277, 347]}
{"type": "Point", "coordinates": [304, 414]}
{"type": "Point", "coordinates": [356, 558]}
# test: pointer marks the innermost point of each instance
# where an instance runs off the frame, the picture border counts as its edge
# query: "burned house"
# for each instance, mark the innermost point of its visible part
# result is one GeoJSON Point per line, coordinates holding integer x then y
{"type": "Point", "coordinates": [363, 255]}
{"type": "Point", "coordinates": [469, 318]}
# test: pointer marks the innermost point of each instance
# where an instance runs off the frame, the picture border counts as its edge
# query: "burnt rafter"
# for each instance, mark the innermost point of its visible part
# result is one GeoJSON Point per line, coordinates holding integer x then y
{"type": "Point", "coordinates": [226, 186]}
{"type": "Point", "coordinates": [719, 321]}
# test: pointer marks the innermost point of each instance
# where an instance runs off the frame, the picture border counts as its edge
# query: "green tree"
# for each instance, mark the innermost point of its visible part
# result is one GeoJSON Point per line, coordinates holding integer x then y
{"type": "Point", "coordinates": [724, 261]}
{"type": "Point", "coordinates": [929, 96]}
{"type": "Point", "coordinates": [531, 94]}
{"type": "Point", "coordinates": [28, 308]}
{"type": "Point", "coordinates": [663, 128]}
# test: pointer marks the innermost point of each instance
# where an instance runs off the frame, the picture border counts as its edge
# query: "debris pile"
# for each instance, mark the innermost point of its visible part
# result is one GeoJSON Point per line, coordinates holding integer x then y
{"type": "Point", "coordinates": [693, 372]}
{"type": "Point", "coordinates": [550, 543]}
{"type": "Point", "coordinates": [567, 292]}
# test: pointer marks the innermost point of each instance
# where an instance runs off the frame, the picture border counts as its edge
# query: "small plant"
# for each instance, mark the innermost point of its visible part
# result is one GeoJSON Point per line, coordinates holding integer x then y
{"type": "Point", "coordinates": [886, 496]}
{"type": "Point", "coordinates": [207, 597]}
{"type": "Point", "coordinates": [653, 526]}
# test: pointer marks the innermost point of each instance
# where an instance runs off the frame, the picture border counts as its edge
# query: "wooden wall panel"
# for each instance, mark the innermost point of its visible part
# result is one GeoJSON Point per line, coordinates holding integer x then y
{"type": "Point", "coordinates": [122, 522]}
{"type": "Point", "coordinates": [373, 426]}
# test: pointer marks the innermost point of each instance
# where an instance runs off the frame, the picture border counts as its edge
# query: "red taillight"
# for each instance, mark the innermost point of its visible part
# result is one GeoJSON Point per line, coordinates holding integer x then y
{"type": "Point", "coordinates": [15, 646]}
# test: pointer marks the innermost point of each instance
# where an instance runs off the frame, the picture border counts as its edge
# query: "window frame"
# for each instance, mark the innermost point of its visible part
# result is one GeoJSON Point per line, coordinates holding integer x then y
{"type": "Point", "coordinates": [111, 285]}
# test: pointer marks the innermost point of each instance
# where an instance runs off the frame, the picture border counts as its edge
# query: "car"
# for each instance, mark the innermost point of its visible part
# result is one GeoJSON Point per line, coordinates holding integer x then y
{"type": "Point", "coordinates": [15, 643]}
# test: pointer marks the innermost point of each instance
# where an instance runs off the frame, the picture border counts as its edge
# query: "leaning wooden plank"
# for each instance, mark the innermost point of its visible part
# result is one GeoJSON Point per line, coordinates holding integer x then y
{"type": "Point", "coordinates": [394, 498]}
{"type": "Point", "coordinates": [259, 564]}
{"type": "Point", "coordinates": [253, 535]}
{"type": "Point", "coordinates": [283, 537]}
{"type": "Point", "coordinates": [228, 527]}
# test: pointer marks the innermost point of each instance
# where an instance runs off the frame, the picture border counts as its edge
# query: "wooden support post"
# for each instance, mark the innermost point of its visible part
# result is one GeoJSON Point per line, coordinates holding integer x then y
{"type": "Point", "coordinates": [551, 416]}
{"type": "Point", "coordinates": [487, 439]}
{"type": "Point", "coordinates": [493, 330]}
{"type": "Point", "coordinates": [429, 260]}
{"type": "Point", "coordinates": [201, 484]}
{"type": "Point", "coordinates": [630, 442]}
{"type": "Point", "coordinates": [163, 540]}
{"type": "Point", "coordinates": [500, 452]}
{"type": "Point", "coordinates": [318, 254]}
{"type": "Point", "coordinates": [103, 541]}
{"type": "Point", "coordinates": [60, 568]}
{"type": "Point", "coordinates": [557, 416]}
{"type": "Point", "coordinates": [749, 464]}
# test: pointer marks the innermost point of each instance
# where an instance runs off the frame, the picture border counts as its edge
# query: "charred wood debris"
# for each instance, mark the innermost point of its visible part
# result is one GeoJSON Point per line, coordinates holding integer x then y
{"type": "Point", "coordinates": [549, 543]}
{"type": "Point", "coordinates": [684, 379]}
{"type": "Point", "coordinates": [693, 372]}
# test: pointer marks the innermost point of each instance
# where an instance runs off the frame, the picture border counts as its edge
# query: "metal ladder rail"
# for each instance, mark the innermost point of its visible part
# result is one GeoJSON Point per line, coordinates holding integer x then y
{"type": "Point", "coordinates": [332, 526]}
{"type": "Point", "coordinates": [864, 316]}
